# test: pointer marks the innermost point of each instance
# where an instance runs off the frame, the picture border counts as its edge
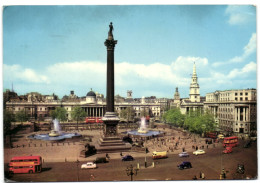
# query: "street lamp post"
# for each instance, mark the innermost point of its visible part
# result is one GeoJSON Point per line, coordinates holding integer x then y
{"type": "Point", "coordinates": [77, 170]}
{"type": "Point", "coordinates": [145, 162]}
{"type": "Point", "coordinates": [130, 171]}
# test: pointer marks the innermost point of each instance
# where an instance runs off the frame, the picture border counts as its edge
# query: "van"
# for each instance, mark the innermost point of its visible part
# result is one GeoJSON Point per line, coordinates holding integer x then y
{"type": "Point", "coordinates": [220, 136]}
{"type": "Point", "coordinates": [160, 154]}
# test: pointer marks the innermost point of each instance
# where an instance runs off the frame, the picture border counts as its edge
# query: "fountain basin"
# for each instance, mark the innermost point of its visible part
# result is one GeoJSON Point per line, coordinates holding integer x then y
{"type": "Point", "coordinates": [54, 133]}
{"type": "Point", "coordinates": [142, 131]}
{"type": "Point", "coordinates": [147, 134]}
{"type": "Point", "coordinates": [53, 137]}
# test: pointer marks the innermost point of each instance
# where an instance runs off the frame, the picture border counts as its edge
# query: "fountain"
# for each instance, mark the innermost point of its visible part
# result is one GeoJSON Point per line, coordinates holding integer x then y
{"type": "Point", "coordinates": [55, 134]}
{"type": "Point", "coordinates": [143, 131]}
{"type": "Point", "coordinates": [56, 129]}
{"type": "Point", "coordinates": [143, 128]}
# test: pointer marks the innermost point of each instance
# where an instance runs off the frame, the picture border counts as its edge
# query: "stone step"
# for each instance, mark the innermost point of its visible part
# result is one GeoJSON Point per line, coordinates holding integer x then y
{"type": "Point", "coordinates": [111, 138]}
{"type": "Point", "coordinates": [110, 141]}
{"type": "Point", "coordinates": [114, 144]}
{"type": "Point", "coordinates": [110, 149]}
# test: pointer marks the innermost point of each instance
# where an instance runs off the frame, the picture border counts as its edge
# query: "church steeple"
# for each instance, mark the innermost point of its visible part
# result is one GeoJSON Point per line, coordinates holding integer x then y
{"type": "Point", "coordinates": [176, 95]}
{"type": "Point", "coordinates": [194, 69]}
{"type": "Point", "coordinates": [194, 86]}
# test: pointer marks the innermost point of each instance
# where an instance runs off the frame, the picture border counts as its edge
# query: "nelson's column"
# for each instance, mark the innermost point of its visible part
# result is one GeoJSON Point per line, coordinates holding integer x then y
{"type": "Point", "coordinates": [111, 142]}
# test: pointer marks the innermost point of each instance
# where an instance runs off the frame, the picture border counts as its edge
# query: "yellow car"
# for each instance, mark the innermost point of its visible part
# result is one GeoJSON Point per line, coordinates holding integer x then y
{"type": "Point", "coordinates": [199, 152]}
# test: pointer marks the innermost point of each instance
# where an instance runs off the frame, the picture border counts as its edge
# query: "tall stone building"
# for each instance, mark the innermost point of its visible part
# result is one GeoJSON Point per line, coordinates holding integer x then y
{"type": "Point", "coordinates": [234, 110]}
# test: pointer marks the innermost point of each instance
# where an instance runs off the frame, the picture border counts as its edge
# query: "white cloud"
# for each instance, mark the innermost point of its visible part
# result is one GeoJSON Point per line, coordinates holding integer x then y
{"type": "Point", "coordinates": [16, 72]}
{"type": "Point", "coordinates": [248, 50]}
{"type": "Point", "coordinates": [248, 68]}
{"type": "Point", "coordinates": [146, 79]}
{"type": "Point", "coordinates": [240, 14]}
{"type": "Point", "coordinates": [251, 46]}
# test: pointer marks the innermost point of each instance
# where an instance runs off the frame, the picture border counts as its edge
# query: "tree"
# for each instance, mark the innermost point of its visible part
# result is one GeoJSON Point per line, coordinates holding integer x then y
{"type": "Point", "coordinates": [59, 113]}
{"type": "Point", "coordinates": [200, 123]}
{"type": "Point", "coordinates": [8, 118]}
{"type": "Point", "coordinates": [22, 116]}
{"type": "Point", "coordinates": [128, 114]}
{"type": "Point", "coordinates": [78, 114]}
{"type": "Point", "coordinates": [175, 117]}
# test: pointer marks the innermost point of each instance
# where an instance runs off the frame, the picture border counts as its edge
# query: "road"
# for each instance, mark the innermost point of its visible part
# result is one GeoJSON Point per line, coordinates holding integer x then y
{"type": "Point", "coordinates": [210, 164]}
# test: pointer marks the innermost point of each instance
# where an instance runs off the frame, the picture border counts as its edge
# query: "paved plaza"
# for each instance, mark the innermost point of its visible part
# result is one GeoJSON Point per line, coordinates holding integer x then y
{"type": "Point", "coordinates": [70, 150]}
{"type": "Point", "coordinates": [60, 157]}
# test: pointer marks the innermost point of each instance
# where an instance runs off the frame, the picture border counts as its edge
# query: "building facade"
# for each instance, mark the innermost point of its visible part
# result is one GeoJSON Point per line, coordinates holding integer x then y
{"type": "Point", "coordinates": [234, 110]}
{"type": "Point", "coordinates": [39, 106]}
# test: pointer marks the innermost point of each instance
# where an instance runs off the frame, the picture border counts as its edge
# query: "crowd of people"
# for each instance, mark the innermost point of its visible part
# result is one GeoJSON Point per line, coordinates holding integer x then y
{"type": "Point", "coordinates": [176, 142]}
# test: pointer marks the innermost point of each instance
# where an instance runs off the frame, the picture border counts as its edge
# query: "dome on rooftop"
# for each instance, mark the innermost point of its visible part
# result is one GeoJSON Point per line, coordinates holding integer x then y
{"type": "Point", "coordinates": [91, 94]}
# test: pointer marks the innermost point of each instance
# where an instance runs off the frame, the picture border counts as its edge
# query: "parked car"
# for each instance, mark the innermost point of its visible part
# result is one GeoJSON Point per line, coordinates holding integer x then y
{"type": "Point", "coordinates": [228, 150]}
{"type": "Point", "coordinates": [89, 165]}
{"type": "Point", "coordinates": [200, 151]}
{"type": "Point", "coordinates": [183, 154]}
{"type": "Point", "coordinates": [101, 160]}
{"type": "Point", "coordinates": [127, 158]}
{"type": "Point", "coordinates": [184, 165]}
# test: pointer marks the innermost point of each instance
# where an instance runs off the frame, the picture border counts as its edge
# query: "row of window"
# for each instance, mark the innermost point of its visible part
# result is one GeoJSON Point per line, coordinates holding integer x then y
{"type": "Point", "coordinates": [241, 99]}
{"type": "Point", "coordinates": [30, 109]}
{"type": "Point", "coordinates": [241, 94]}
{"type": "Point", "coordinates": [227, 116]}
{"type": "Point", "coordinates": [18, 167]}
{"type": "Point", "coordinates": [241, 124]}
{"type": "Point", "coordinates": [225, 110]}
{"type": "Point", "coordinates": [24, 160]}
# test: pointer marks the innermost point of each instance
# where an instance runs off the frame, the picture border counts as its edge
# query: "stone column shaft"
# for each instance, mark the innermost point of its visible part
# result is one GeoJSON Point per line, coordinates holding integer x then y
{"type": "Point", "coordinates": [110, 80]}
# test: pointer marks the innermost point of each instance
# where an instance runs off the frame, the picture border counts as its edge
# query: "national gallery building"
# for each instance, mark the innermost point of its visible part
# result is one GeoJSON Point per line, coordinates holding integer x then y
{"type": "Point", "coordinates": [39, 106]}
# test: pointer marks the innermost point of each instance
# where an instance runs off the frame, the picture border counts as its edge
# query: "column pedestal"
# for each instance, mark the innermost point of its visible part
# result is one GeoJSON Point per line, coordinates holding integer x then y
{"type": "Point", "coordinates": [111, 140]}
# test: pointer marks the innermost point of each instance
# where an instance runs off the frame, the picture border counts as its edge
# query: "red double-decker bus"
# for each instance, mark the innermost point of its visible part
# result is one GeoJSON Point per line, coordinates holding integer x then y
{"type": "Point", "coordinates": [230, 141]}
{"type": "Point", "coordinates": [212, 135]}
{"type": "Point", "coordinates": [25, 164]}
{"type": "Point", "coordinates": [94, 120]}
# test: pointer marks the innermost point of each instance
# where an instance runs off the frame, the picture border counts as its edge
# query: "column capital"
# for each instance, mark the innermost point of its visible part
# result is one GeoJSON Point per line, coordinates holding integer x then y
{"type": "Point", "coordinates": [110, 44]}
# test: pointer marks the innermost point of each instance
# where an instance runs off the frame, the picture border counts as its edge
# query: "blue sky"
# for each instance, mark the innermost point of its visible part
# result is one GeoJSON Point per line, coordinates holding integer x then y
{"type": "Point", "coordinates": [55, 49]}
